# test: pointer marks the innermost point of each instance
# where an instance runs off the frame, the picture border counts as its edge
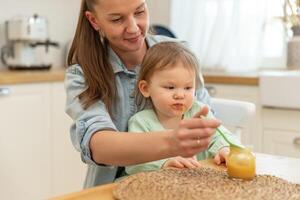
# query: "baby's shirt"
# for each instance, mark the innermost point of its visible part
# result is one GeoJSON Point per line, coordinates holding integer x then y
{"type": "Point", "coordinates": [146, 121]}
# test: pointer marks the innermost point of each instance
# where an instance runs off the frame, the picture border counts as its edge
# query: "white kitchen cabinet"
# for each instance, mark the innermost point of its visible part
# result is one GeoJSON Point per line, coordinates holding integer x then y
{"type": "Point", "coordinates": [68, 171]}
{"type": "Point", "coordinates": [25, 142]}
{"type": "Point", "coordinates": [38, 160]}
{"type": "Point", "coordinates": [242, 93]}
{"type": "Point", "coordinates": [281, 135]}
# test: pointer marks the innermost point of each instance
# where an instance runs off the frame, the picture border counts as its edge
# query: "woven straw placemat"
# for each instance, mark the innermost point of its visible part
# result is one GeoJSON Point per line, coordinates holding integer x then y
{"type": "Point", "coordinates": [203, 183]}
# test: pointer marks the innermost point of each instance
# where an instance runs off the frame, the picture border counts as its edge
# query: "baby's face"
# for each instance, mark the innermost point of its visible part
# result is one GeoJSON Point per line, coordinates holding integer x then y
{"type": "Point", "coordinates": [172, 90]}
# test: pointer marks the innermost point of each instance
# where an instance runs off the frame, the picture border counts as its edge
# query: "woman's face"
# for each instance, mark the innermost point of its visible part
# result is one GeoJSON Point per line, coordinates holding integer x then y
{"type": "Point", "coordinates": [123, 22]}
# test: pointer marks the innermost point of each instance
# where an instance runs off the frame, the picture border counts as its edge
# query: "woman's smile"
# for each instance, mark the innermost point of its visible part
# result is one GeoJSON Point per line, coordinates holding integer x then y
{"type": "Point", "coordinates": [134, 39]}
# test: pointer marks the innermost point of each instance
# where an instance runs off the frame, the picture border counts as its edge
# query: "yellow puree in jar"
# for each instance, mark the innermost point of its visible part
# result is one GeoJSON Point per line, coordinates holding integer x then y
{"type": "Point", "coordinates": [241, 163]}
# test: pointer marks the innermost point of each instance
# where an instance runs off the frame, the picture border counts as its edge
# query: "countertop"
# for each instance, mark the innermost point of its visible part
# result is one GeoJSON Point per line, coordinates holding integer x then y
{"type": "Point", "coordinates": [57, 74]}
{"type": "Point", "coordinates": [283, 167]}
{"type": "Point", "coordinates": [9, 77]}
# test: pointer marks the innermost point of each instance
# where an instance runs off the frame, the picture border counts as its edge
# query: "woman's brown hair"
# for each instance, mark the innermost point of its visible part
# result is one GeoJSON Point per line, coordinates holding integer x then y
{"type": "Point", "coordinates": [90, 51]}
{"type": "Point", "coordinates": [162, 56]}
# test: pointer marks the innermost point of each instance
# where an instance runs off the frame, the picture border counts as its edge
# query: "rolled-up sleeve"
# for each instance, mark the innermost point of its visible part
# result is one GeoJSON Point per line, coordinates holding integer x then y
{"type": "Point", "coordinates": [88, 121]}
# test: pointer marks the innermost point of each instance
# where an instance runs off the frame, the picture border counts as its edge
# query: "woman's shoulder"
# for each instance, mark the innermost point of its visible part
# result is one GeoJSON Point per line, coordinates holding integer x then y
{"type": "Point", "coordinates": [74, 69]}
{"type": "Point", "coordinates": [74, 75]}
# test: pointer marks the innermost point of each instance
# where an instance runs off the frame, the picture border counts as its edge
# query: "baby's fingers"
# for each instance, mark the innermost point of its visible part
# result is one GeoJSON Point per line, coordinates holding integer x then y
{"type": "Point", "coordinates": [188, 163]}
{"type": "Point", "coordinates": [195, 162]}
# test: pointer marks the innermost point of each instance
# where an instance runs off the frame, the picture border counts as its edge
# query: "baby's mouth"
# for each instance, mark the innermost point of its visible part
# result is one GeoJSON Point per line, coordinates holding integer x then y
{"type": "Point", "coordinates": [179, 107]}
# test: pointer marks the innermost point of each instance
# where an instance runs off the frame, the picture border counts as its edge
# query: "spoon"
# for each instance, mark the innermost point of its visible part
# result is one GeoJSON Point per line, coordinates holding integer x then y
{"type": "Point", "coordinates": [228, 141]}
{"type": "Point", "coordinates": [225, 137]}
{"type": "Point", "coordinates": [220, 132]}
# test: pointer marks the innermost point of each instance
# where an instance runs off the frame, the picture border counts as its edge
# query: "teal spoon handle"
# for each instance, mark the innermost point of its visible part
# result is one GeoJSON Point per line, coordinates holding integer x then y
{"type": "Point", "coordinates": [225, 137]}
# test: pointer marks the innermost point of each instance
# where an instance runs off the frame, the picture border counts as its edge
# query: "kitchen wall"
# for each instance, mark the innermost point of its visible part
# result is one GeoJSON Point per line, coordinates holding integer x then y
{"type": "Point", "coordinates": [62, 16]}
{"type": "Point", "coordinates": [159, 11]}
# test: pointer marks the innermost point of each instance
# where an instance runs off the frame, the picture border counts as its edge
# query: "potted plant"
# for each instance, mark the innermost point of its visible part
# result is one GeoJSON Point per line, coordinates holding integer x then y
{"type": "Point", "coordinates": [292, 15]}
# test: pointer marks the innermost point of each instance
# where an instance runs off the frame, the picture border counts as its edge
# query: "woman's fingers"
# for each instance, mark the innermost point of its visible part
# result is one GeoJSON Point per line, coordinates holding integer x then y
{"type": "Point", "coordinates": [199, 123]}
{"type": "Point", "coordinates": [202, 112]}
{"type": "Point", "coordinates": [196, 143]}
{"type": "Point", "coordinates": [199, 133]}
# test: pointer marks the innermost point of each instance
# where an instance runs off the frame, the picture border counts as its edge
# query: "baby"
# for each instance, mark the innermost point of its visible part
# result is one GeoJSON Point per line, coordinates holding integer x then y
{"type": "Point", "coordinates": [167, 82]}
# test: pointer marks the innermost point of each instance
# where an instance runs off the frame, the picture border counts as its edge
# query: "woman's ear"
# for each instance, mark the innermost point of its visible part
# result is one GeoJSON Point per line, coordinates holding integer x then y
{"type": "Point", "coordinates": [143, 87]}
{"type": "Point", "coordinates": [92, 19]}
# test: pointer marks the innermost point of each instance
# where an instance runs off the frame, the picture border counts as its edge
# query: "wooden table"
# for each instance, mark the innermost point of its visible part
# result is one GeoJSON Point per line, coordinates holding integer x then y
{"type": "Point", "coordinates": [283, 167]}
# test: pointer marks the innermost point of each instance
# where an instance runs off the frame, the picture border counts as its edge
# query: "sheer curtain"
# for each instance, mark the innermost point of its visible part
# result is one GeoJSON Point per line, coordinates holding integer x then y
{"type": "Point", "coordinates": [225, 34]}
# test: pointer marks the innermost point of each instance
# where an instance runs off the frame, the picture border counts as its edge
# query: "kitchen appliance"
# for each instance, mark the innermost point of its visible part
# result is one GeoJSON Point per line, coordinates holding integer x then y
{"type": "Point", "coordinates": [28, 43]}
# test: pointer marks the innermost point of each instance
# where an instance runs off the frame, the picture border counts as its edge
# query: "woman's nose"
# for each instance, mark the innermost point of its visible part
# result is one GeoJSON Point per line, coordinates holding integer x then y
{"type": "Point", "coordinates": [132, 26]}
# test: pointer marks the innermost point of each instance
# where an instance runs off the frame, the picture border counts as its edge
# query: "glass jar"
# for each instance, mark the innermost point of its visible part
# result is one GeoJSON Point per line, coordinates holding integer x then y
{"type": "Point", "coordinates": [241, 163]}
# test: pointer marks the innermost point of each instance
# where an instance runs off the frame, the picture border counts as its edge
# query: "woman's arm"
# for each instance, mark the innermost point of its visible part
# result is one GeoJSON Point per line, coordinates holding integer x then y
{"type": "Point", "coordinates": [95, 136]}
{"type": "Point", "coordinates": [117, 148]}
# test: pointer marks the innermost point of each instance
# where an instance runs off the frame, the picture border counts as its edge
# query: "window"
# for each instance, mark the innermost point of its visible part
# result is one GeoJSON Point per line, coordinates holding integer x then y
{"type": "Point", "coordinates": [235, 35]}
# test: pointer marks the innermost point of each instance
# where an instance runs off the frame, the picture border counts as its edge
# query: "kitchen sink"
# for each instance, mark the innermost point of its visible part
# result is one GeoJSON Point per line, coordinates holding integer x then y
{"type": "Point", "coordinates": [280, 89]}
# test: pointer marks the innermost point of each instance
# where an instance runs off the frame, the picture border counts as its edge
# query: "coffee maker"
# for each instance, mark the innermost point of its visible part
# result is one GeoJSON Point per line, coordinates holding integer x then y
{"type": "Point", "coordinates": [27, 43]}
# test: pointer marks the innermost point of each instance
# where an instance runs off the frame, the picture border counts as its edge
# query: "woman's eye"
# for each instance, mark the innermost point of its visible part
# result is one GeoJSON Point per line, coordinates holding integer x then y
{"type": "Point", "coordinates": [116, 20]}
{"type": "Point", "coordinates": [139, 12]}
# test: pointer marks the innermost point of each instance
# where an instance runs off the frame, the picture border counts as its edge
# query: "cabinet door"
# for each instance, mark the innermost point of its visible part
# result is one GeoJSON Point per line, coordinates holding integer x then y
{"type": "Point", "coordinates": [68, 169]}
{"type": "Point", "coordinates": [282, 142]}
{"type": "Point", "coordinates": [24, 142]}
{"type": "Point", "coordinates": [281, 131]}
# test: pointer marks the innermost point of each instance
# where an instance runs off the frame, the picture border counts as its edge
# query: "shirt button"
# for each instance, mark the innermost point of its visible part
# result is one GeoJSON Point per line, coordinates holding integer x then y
{"type": "Point", "coordinates": [132, 94]}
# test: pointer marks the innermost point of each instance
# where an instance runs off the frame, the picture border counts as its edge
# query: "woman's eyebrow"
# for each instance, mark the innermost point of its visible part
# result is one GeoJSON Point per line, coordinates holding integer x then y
{"type": "Point", "coordinates": [140, 6]}
{"type": "Point", "coordinates": [118, 14]}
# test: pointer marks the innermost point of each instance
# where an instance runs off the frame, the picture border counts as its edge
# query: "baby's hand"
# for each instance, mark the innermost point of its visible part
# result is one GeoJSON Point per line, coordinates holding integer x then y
{"type": "Point", "coordinates": [220, 157]}
{"type": "Point", "coordinates": [180, 162]}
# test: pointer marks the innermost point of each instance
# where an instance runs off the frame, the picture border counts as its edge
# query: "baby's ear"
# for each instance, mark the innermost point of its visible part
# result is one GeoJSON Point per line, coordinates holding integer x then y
{"type": "Point", "coordinates": [143, 87]}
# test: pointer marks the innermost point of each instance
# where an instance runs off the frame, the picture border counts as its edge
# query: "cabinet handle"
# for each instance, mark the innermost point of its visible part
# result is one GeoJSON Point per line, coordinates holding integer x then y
{"type": "Point", "coordinates": [4, 92]}
{"type": "Point", "coordinates": [297, 141]}
{"type": "Point", "coordinates": [211, 90]}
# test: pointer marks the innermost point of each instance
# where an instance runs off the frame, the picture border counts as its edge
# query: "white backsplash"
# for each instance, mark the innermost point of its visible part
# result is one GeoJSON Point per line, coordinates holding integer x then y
{"type": "Point", "coordinates": [62, 17]}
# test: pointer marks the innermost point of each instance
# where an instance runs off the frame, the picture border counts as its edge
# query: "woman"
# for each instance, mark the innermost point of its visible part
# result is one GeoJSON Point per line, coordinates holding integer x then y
{"type": "Point", "coordinates": [110, 42]}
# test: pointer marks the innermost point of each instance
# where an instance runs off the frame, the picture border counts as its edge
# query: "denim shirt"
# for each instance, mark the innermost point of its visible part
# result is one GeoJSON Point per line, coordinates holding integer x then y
{"type": "Point", "coordinates": [96, 118]}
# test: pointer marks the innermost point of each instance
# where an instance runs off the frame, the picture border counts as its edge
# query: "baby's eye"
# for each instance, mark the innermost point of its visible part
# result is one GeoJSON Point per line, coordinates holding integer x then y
{"type": "Point", "coordinates": [169, 87]}
{"type": "Point", "coordinates": [188, 88]}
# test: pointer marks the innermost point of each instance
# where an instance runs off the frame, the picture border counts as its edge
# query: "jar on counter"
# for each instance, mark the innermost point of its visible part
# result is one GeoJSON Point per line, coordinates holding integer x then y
{"type": "Point", "coordinates": [241, 163]}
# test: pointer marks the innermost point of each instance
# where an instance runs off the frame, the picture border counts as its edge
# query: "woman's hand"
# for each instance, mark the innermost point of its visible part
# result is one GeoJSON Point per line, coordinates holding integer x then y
{"type": "Point", "coordinates": [193, 135]}
{"type": "Point", "coordinates": [220, 157]}
{"type": "Point", "coordinates": [180, 162]}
